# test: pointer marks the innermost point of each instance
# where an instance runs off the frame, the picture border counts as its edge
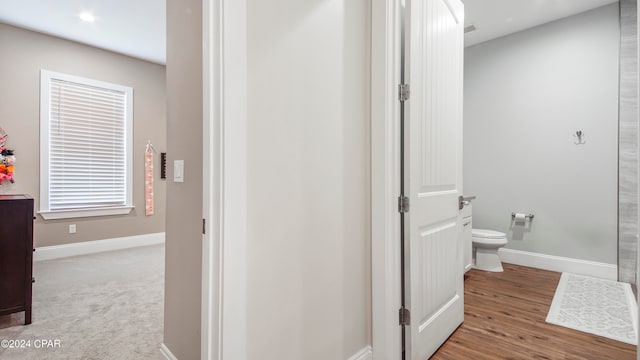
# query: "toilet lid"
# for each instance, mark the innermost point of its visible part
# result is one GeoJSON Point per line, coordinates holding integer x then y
{"type": "Point", "coordinates": [487, 234]}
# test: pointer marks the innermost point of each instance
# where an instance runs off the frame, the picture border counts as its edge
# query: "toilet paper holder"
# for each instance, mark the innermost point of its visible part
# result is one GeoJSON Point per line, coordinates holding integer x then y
{"type": "Point", "coordinates": [528, 216]}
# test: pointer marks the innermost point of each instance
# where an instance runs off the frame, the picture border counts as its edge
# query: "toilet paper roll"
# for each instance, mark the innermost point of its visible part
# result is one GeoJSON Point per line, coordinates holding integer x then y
{"type": "Point", "coordinates": [520, 218]}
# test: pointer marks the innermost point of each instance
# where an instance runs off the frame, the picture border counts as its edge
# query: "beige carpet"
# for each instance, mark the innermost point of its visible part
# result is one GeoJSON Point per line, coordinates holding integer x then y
{"type": "Point", "coordinates": [102, 306]}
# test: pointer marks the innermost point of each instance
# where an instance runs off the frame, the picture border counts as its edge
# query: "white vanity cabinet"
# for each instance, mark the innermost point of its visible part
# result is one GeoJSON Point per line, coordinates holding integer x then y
{"type": "Point", "coordinates": [467, 256]}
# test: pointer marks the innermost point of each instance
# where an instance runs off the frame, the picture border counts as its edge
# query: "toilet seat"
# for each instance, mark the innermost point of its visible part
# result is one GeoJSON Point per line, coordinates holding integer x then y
{"type": "Point", "coordinates": [487, 234]}
{"type": "Point", "coordinates": [488, 237]}
{"type": "Point", "coordinates": [493, 242]}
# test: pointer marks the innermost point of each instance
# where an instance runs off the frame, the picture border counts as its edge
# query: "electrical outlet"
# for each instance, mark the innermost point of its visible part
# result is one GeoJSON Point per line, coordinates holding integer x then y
{"type": "Point", "coordinates": [72, 228]}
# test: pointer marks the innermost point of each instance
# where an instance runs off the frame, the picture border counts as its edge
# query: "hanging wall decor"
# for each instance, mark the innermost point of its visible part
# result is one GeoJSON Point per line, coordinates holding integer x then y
{"type": "Point", "coordinates": [148, 179]}
{"type": "Point", "coordinates": [7, 159]}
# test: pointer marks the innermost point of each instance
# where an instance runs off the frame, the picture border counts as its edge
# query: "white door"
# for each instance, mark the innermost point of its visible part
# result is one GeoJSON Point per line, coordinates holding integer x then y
{"type": "Point", "coordinates": [434, 292]}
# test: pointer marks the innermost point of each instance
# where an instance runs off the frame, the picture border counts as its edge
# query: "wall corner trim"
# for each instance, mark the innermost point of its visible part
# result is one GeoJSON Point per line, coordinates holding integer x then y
{"type": "Point", "coordinates": [365, 353]}
{"type": "Point", "coordinates": [97, 246]}
{"type": "Point", "coordinates": [560, 264]}
{"type": "Point", "coordinates": [166, 353]}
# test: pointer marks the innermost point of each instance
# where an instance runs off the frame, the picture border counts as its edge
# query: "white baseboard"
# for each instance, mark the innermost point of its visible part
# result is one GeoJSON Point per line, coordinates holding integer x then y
{"type": "Point", "coordinates": [364, 354]}
{"type": "Point", "coordinates": [560, 264]}
{"type": "Point", "coordinates": [92, 247]}
{"type": "Point", "coordinates": [166, 353]}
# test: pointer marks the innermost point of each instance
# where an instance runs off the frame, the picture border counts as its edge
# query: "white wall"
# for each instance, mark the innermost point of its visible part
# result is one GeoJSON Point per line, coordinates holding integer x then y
{"type": "Point", "coordinates": [525, 96]}
{"type": "Point", "coordinates": [308, 234]}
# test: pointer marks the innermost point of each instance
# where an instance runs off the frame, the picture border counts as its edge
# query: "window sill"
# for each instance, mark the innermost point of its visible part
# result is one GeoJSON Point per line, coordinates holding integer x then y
{"type": "Point", "coordinates": [79, 213]}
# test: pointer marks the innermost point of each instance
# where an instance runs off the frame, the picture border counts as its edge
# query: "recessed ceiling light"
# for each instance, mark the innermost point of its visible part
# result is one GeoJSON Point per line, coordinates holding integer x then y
{"type": "Point", "coordinates": [87, 17]}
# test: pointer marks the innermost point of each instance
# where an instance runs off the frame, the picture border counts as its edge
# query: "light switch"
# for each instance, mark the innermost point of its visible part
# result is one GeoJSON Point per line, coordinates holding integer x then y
{"type": "Point", "coordinates": [178, 170]}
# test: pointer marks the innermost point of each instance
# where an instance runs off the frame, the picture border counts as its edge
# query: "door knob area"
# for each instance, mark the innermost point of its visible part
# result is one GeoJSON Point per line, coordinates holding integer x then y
{"type": "Point", "coordinates": [463, 201]}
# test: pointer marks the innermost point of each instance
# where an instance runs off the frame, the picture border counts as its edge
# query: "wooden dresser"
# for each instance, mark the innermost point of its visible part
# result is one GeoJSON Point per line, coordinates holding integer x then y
{"type": "Point", "coordinates": [16, 254]}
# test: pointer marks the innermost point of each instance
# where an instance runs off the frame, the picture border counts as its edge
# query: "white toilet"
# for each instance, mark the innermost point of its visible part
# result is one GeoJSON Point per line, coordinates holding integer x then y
{"type": "Point", "coordinates": [486, 244]}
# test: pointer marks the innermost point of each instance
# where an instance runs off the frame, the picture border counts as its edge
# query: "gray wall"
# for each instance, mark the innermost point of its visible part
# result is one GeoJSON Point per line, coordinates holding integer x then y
{"type": "Point", "coordinates": [183, 264]}
{"type": "Point", "coordinates": [628, 160]}
{"type": "Point", "coordinates": [24, 54]}
{"type": "Point", "coordinates": [308, 208]}
{"type": "Point", "coordinates": [525, 96]}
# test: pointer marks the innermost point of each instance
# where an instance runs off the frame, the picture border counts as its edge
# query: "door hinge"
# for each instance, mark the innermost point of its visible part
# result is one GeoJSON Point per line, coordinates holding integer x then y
{"type": "Point", "coordinates": [204, 226]}
{"type": "Point", "coordinates": [403, 204]}
{"type": "Point", "coordinates": [404, 316]}
{"type": "Point", "coordinates": [403, 92]}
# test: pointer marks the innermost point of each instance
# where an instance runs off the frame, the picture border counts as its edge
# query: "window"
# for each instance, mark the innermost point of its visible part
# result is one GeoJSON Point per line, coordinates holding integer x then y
{"type": "Point", "coordinates": [86, 129]}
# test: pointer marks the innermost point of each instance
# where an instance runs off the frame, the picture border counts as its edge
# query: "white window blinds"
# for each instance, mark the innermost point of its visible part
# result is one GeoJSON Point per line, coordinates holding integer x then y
{"type": "Point", "coordinates": [88, 144]}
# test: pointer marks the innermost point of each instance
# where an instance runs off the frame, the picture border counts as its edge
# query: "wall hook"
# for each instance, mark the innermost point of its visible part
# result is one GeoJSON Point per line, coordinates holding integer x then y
{"type": "Point", "coordinates": [150, 147]}
{"type": "Point", "coordinates": [580, 136]}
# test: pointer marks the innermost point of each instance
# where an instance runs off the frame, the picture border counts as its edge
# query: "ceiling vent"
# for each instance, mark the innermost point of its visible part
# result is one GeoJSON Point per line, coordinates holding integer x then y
{"type": "Point", "coordinates": [469, 28]}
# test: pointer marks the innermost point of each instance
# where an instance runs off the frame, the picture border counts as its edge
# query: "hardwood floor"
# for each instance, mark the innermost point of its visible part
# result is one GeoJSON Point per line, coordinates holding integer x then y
{"type": "Point", "coordinates": [505, 319]}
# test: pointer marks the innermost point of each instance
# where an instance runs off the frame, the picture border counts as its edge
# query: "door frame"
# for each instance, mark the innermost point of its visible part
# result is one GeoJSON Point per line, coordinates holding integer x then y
{"type": "Point", "coordinates": [385, 179]}
{"type": "Point", "coordinates": [224, 164]}
{"type": "Point", "coordinates": [224, 175]}
{"type": "Point", "coordinates": [224, 178]}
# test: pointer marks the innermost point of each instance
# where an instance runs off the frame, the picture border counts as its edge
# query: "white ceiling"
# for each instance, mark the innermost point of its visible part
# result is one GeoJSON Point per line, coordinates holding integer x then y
{"type": "Point", "coordinates": [496, 18]}
{"type": "Point", "coordinates": [138, 27]}
{"type": "Point", "coordinates": [132, 27]}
